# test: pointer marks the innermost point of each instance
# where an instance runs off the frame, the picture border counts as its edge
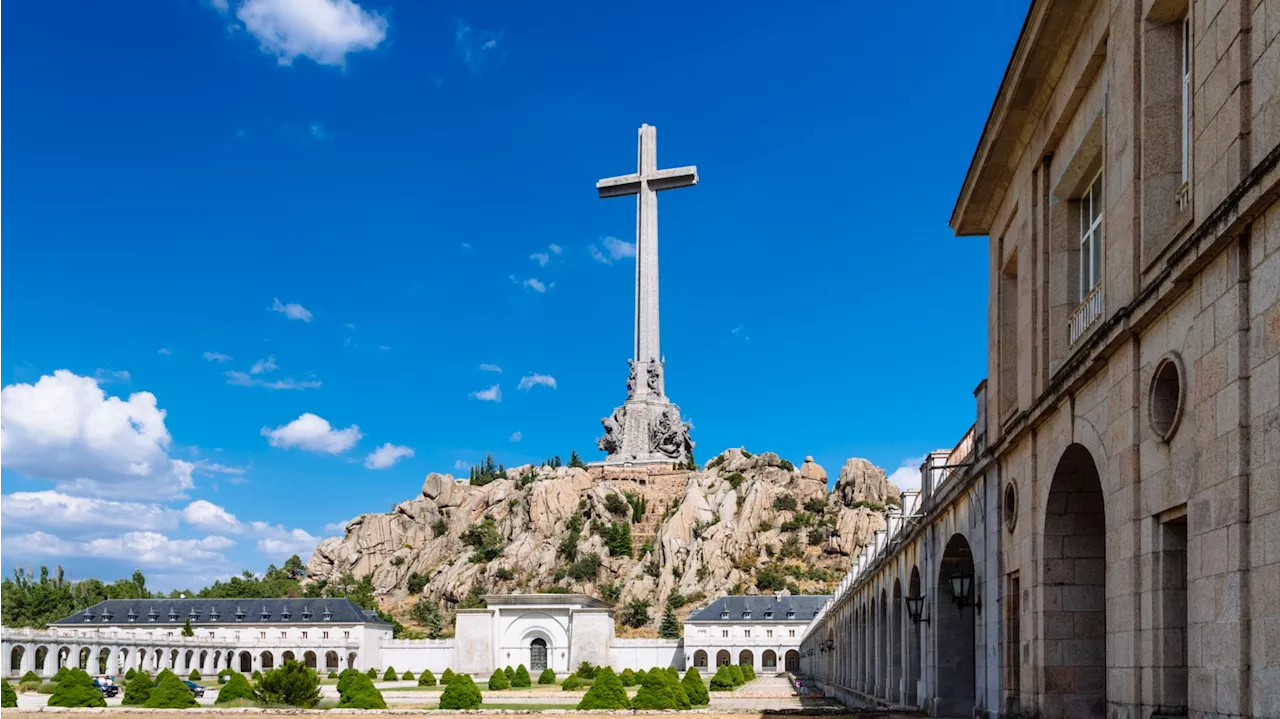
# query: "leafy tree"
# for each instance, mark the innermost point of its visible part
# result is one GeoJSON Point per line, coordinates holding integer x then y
{"type": "Point", "coordinates": [77, 690]}
{"type": "Point", "coordinates": [169, 693]}
{"type": "Point", "coordinates": [694, 688]}
{"type": "Point", "coordinates": [236, 688]}
{"type": "Point", "coordinates": [293, 684]}
{"type": "Point", "coordinates": [616, 504]}
{"type": "Point", "coordinates": [617, 537]}
{"type": "Point", "coordinates": [485, 539]}
{"type": "Point", "coordinates": [8, 697]}
{"type": "Point", "coordinates": [655, 693]}
{"type": "Point", "coordinates": [548, 676]}
{"type": "Point", "coordinates": [606, 693]}
{"type": "Point", "coordinates": [462, 693]}
{"type": "Point", "coordinates": [426, 678]}
{"type": "Point", "coordinates": [571, 683]}
{"type": "Point", "coordinates": [586, 568]}
{"type": "Point", "coordinates": [389, 675]}
{"type": "Point", "coordinates": [670, 627]}
{"type": "Point", "coordinates": [770, 578]}
{"type": "Point", "coordinates": [498, 680]}
{"type": "Point", "coordinates": [137, 689]}
{"type": "Point", "coordinates": [522, 678]}
{"type": "Point", "coordinates": [359, 693]}
{"type": "Point", "coordinates": [722, 681]}
{"type": "Point", "coordinates": [636, 613]}
{"type": "Point", "coordinates": [575, 460]}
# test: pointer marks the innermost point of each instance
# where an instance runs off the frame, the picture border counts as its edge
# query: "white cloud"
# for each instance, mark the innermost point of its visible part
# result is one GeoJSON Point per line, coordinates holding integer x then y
{"type": "Point", "coordinates": [385, 348]}
{"type": "Point", "coordinates": [325, 31]}
{"type": "Point", "coordinates": [555, 249]}
{"type": "Point", "coordinates": [264, 365]}
{"type": "Point", "coordinates": [293, 310]}
{"type": "Point", "coordinates": [534, 284]}
{"type": "Point", "coordinates": [141, 549]}
{"type": "Point", "coordinates": [217, 357]}
{"type": "Point", "coordinates": [207, 515]}
{"type": "Point", "coordinates": [349, 326]}
{"type": "Point", "coordinates": [478, 50]}
{"type": "Point", "coordinates": [616, 249]}
{"type": "Point", "coordinates": [337, 527]}
{"type": "Point", "coordinates": [528, 382]}
{"type": "Point", "coordinates": [461, 464]}
{"type": "Point", "coordinates": [313, 433]}
{"type": "Point", "coordinates": [70, 514]}
{"type": "Point", "coordinates": [244, 379]}
{"type": "Point", "coordinates": [466, 245]}
{"type": "Point", "coordinates": [164, 351]}
{"type": "Point", "coordinates": [907, 475]}
{"type": "Point", "coordinates": [516, 436]}
{"type": "Point", "coordinates": [66, 429]}
{"type": "Point", "coordinates": [542, 258]}
{"type": "Point", "coordinates": [319, 133]}
{"type": "Point", "coordinates": [387, 455]}
{"type": "Point", "coordinates": [108, 376]}
{"type": "Point", "coordinates": [493, 393]}
{"type": "Point", "coordinates": [490, 368]}
{"type": "Point", "coordinates": [278, 543]}
{"type": "Point", "coordinates": [221, 6]}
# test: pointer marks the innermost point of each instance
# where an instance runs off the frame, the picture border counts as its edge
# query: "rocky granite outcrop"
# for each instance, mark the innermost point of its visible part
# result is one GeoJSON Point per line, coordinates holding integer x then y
{"type": "Point", "coordinates": [744, 514]}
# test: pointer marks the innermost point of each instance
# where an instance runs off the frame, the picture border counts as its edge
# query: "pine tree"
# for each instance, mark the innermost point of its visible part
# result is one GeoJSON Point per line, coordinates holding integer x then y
{"type": "Point", "coordinates": [575, 460]}
{"type": "Point", "coordinates": [187, 631]}
{"type": "Point", "coordinates": [670, 627]}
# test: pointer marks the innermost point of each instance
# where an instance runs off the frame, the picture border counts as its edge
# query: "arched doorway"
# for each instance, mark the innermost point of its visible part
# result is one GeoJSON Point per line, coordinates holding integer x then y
{"type": "Point", "coordinates": [287, 657]}
{"type": "Point", "coordinates": [769, 661]}
{"type": "Point", "coordinates": [793, 660]}
{"type": "Point", "coordinates": [42, 658]}
{"type": "Point", "coordinates": [15, 659]}
{"type": "Point", "coordinates": [1075, 569]}
{"type": "Point", "coordinates": [246, 663]}
{"type": "Point", "coordinates": [957, 673]}
{"type": "Point", "coordinates": [186, 659]}
{"type": "Point", "coordinates": [700, 659]}
{"type": "Point", "coordinates": [746, 657]}
{"type": "Point", "coordinates": [266, 661]}
{"type": "Point", "coordinates": [913, 646]}
{"type": "Point", "coordinates": [309, 658]}
{"type": "Point", "coordinates": [537, 654]}
{"type": "Point", "coordinates": [331, 661]}
{"type": "Point", "coordinates": [351, 660]}
{"type": "Point", "coordinates": [722, 658]}
{"type": "Point", "coordinates": [882, 653]}
{"type": "Point", "coordinates": [895, 644]}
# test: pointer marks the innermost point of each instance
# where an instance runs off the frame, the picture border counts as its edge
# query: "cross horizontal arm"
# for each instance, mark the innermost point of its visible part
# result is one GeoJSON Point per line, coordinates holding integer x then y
{"type": "Point", "coordinates": [673, 178]}
{"type": "Point", "coordinates": [619, 186]}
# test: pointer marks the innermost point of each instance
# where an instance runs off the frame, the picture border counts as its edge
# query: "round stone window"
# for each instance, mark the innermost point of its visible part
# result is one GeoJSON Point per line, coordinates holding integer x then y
{"type": "Point", "coordinates": [1165, 397]}
{"type": "Point", "coordinates": [1010, 506]}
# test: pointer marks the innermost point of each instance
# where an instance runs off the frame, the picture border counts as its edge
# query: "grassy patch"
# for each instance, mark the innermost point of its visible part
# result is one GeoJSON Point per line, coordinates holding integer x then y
{"type": "Point", "coordinates": [515, 706]}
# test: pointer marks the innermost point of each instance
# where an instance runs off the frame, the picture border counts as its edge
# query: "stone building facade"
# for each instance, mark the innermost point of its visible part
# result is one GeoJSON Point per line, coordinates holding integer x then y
{"type": "Point", "coordinates": [761, 631]}
{"type": "Point", "coordinates": [1127, 182]}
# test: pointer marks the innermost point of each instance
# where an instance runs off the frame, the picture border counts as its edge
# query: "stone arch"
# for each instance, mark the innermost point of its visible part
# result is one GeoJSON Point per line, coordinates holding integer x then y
{"type": "Point", "coordinates": [331, 660]}
{"type": "Point", "coordinates": [956, 628]}
{"type": "Point", "coordinates": [793, 660]}
{"type": "Point", "coordinates": [266, 661]}
{"type": "Point", "coordinates": [174, 654]}
{"type": "Point", "coordinates": [895, 644]}
{"type": "Point", "coordinates": [912, 697]}
{"type": "Point", "coordinates": [351, 660]}
{"type": "Point", "coordinates": [723, 658]}
{"type": "Point", "coordinates": [882, 653]}
{"type": "Point", "coordinates": [187, 658]}
{"type": "Point", "coordinates": [769, 661]}
{"type": "Point", "coordinates": [15, 659]}
{"type": "Point", "coordinates": [309, 658]}
{"type": "Point", "coordinates": [1073, 579]}
{"type": "Point", "coordinates": [288, 656]}
{"type": "Point", "coordinates": [103, 656]}
{"type": "Point", "coordinates": [700, 660]}
{"type": "Point", "coordinates": [204, 660]}
{"type": "Point", "coordinates": [746, 657]}
{"type": "Point", "coordinates": [82, 658]}
{"type": "Point", "coordinates": [246, 663]}
{"type": "Point", "coordinates": [63, 658]}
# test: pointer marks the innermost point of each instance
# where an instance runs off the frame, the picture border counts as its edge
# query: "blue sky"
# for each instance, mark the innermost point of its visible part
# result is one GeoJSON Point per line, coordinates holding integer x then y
{"type": "Point", "coordinates": [302, 229]}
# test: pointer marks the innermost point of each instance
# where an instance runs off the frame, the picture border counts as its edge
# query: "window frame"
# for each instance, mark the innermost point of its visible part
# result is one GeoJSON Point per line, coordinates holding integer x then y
{"type": "Point", "coordinates": [1091, 237]}
{"type": "Point", "coordinates": [1186, 100]}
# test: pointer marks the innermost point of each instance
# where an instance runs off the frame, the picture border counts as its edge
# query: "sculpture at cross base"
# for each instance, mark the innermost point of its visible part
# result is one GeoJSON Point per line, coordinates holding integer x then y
{"type": "Point", "coordinates": [647, 428]}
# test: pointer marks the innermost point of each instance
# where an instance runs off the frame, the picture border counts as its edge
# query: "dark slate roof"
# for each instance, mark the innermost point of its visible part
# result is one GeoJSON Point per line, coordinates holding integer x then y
{"type": "Point", "coordinates": [175, 612]}
{"type": "Point", "coordinates": [805, 606]}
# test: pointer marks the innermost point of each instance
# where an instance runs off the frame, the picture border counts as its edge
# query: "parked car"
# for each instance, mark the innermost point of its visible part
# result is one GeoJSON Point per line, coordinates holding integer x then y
{"type": "Point", "coordinates": [196, 689]}
{"type": "Point", "coordinates": [108, 688]}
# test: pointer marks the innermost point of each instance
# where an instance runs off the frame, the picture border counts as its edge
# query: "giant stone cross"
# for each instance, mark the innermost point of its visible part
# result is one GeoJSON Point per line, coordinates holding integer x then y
{"type": "Point", "coordinates": [647, 428]}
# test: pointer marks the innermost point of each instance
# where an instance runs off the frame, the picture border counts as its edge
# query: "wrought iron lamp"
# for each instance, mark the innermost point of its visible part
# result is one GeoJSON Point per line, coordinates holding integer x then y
{"type": "Point", "coordinates": [961, 586]}
{"type": "Point", "coordinates": [915, 609]}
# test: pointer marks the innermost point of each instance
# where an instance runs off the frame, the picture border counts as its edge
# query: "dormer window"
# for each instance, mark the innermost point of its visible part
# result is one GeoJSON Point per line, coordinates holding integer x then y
{"type": "Point", "coordinates": [214, 616]}
{"type": "Point", "coordinates": [265, 614]}
{"type": "Point", "coordinates": [240, 615]}
{"type": "Point", "coordinates": [132, 615]}
{"type": "Point", "coordinates": [152, 614]}
{"type": "Point", "coordinates": [768, 614]}
{"type": "Point", "coordinates": [724, 614]}
{"type": "Point", "coordinates": [285, 614]}
{"type": "Point", "coordinates": [173, 614]}
{"type": "Point", "coordinates": [791, 614]}
{"type": "Point", "coordinates": [327, 614]}
{"type": "Point", "coordinates": [306, 613]}
{"type": "Point", "coordinates": [194, 614]}
{"type": "Point", "coordinates": [746, 614]}
{"type": "Point", "coordinates": [106, 615]}
{"type": "Point", "coordinates": [88, 615]}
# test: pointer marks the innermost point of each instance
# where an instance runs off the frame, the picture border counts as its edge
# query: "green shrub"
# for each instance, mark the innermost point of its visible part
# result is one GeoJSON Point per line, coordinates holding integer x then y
{"type": "Point", "coordinates": [389, 675]}
{"type": "Point", "coordinates": [571, 682]}
{"type": "Point", "coordinates": [60, 674]}
{"type": "Point", "coordinates": [447, 676]}
{"type": "Point", "coordinates": [359, 693]}
{"type": "Point", "coordinates": [587, 670]}
{"type": "Point", "coordinates": [627, 677]}
{"type": "Point", "coordinates": [333, 675]}
{"type": "Point", "coordinates": [77, 690]}
{"type": "Point", "coordinates": [194, 676]}
{"type": "Point", "coordinates": [426, 678]}
{"type": "Point", "coordinates": [30, 677]}
{"type": "Point", "coordinates": [677, 689]}
{"type": "Point", "coordinates": [640, 677]}
{"type": "Point", "coordinates": [236, 688]}
{"type": "Point", "coordinates": [735, 673]}
{"type": "Point", "coordinates": [606, 692]}
{"type": "Point", "coordinates": [129, 674]}
{"type": "Point", "coordinates": [786, 464]}
{"type": "Point", "coordinates": [169, 693]}
{"type": "Point", "coordinates": [748, 672]}
{"type": "Point", "coordinates": [372, 673]}
{"type": "Point", "coordinates": [293, 684]}
{"type": "Point", "coordinates": [224, 673]}
{"type": "Point", "coordinates": [462, 693]}
{"type": "Point", "coordinates": [548, 676]}
{"type": "Point", "coordinates": [257, 674]}
{"type": "Point", "coordinates": [511, 673]}
{"type": "Point", "coordinates": [407, 676]}
{"type": "Point", "coordinates": [8, 697]}
{"type": "Point", "coordinates": [723, 680]}
{"type": "Point", "coordinates": [585, 568]}
{"type": "Point", "coordinates": [785, 503]}
{"type": "Point", "coordinates": [521, 679]}
{"type": "Point", "coordinates": [694, 688]}
{"type": "Point", "coordinates": [137, 689]}
{"type": "Point", "coordinates": [347, 677]}
{"type": "Point", "coordinates": [656, 693]}
{"type": "Point", "coordinates": [498, 680]}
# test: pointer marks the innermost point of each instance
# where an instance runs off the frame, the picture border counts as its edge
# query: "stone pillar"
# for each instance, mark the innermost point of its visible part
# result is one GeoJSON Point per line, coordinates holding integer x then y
{"type": "Point", "coordinates": [113, 661]}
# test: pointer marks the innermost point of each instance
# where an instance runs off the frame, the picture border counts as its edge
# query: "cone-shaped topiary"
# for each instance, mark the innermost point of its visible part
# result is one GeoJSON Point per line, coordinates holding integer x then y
{"type": "Point", "coordinates": [8, 697]}
{"type": "Point", "coordinates": [77, 690]}
{"type": "Point", "coordinates": [426, 678]}
{"type": "Point", "coordinates": [511, 673]}
{"type": "Point", "coordinates": [257, 674]}
{"type": "Point", "coordinates": [137, 690]}
{"type": "Point", "coordinates": [372, 673]}
{"type": "Point", "coordinates": [360, 693]}
{"type": "Point", "coordinates": [748, 672]}
{"type": "Point", "coordinates": [292, 683]}
{"type": "Point", "coordinates": [29, 677]}
{"type": "Point", "coordinates": [605, 693]}
{"type": "Point", "coordinates": [447, 676]}
{"type": "Point", "coordinates": [655, 693]}
{"type": "Point", "coordinates": [462, 693]}
{"type": "Point", "coordinates": [237, 687]}
{"type": "Point", "coordinates": [694, 688]}
{"type": "Point", "coordinates": [722, 681]}
{"type": "Point", "coordinates": [194, 676]}
{"type": "Point", "coordinates": [548, 676]}
{"type": "Point", "coordinates": [129, 674]}
{"type": "Point", "coordinates": [498, 680]}
{"type": "Point", "coordinates": [169, 693]}
{"type": "Point", "coordinates": [735, 673]}
{"type": "Point", "coordinates": [60, 674]}
{"type": "Point", "coordinates": [407, 676]}
{"type": "Point", "coordinates": [677, 689]}
{"type": "Point", "coordinates": [389, 675]}
{"type": "Point", "coordinates": [627, 677]}
{"type": "Point", "coordinates": [572, 682]}
{"type": "Point", "coordinates": [333, 675]}
{"type": "Point", "coordinates": [521, 679]}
